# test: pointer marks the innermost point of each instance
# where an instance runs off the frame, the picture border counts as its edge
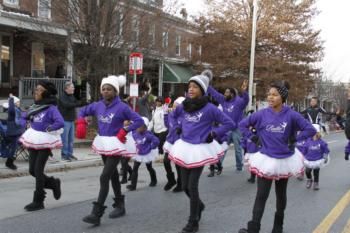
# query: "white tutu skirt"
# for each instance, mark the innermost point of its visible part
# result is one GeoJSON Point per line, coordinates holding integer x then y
{"type": "Point", "coordinates": [130, 145]}
{"type": "Point", "coordinates": [224, 146]}
{"type": "Point", "coordinates": [39, 140]}
{"type": "Point", "coordinates": [190, 155]}
{"type": "Point", "coordinates": [150, 157]}
{"type": "Point", "coordinates": [316, 164]}
{"type": "Point", "coordinates": [167, 146]}
{"type": "Point", "coordinates": [275, 169]}
{"type": "Point", "coordinates": [108, 146]}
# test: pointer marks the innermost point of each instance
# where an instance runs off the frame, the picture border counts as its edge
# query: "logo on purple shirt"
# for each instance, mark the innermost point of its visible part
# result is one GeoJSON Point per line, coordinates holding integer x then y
{"type": "Point", "coordinates": [39, 117]}
{"type": "Point", "coordinates": [106, 119]}
{"type": "Point", "coordinates": [196, 118]}
{"type": "Point", "coordinates": [281, 128]}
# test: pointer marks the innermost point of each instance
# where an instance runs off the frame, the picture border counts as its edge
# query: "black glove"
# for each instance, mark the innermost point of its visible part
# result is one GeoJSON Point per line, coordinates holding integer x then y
{"type": "Point", "coordinates": [346, 156]}
{"type": "Point", "coordinates": [210, 137]}
{"type": "Point", "coordinates": [255, 139]}
{"type": "Point", "coordinates": [178, 131]}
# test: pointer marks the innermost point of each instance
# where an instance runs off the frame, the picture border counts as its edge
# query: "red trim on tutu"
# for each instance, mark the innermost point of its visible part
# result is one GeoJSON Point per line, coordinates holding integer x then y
{"type": "Point", "coordinates": [260, 174]}
{"type": "Point", "coordinates": [42, 146]}
{"type": "Point", "coordinates": [202, 163]}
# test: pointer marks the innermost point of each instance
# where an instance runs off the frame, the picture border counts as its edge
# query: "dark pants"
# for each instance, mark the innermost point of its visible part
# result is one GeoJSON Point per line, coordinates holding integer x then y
{"type": "Point", "coordinates": [316, 172]}
{"type": "Point", "coordinates": [37, 162]}
{"type": "Point", "coordinates": [168, 168]}
{"type": "Point", "coordinates": [190, 181]}
{"type": "Point", "coordinates": [135, 172]}
{"type": "Point", "coordinates": [109, 173]}
{"type": "Point", "coordinates": [264, 187]}
{"type": "Point", "coordinates": [125, 166]}
{"type": "Point", "coordinates": [162, 138]}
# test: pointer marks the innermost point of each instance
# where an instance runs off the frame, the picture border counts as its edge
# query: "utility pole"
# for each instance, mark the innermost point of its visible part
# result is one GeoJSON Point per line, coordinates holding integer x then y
{"type": "Point", "coordinates": [252, 55]}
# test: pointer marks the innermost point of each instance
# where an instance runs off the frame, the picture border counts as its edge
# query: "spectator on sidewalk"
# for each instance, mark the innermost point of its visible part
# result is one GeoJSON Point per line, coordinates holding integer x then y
{"type": "Point", "coordinates": [143, 103]}
{"type": "Point", "coordinates": [15, 127]}
{"type": "Point", "coordinates": [157, 124]}
{"type": "Point", "coordinates": [66, 105]}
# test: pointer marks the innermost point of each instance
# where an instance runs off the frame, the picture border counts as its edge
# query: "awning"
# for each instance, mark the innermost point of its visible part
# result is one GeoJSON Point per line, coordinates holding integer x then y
{"type": "Point", "coordinates": [175, 73]}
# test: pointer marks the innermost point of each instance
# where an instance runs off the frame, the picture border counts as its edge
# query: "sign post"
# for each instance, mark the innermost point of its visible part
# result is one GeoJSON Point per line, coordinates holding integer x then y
{"type": "Point", "coordinates": [135, 68]}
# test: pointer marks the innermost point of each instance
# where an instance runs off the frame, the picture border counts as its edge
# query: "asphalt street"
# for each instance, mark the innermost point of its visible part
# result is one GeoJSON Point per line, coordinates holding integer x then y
{"type": "Point", "coordinates": [228, 198]}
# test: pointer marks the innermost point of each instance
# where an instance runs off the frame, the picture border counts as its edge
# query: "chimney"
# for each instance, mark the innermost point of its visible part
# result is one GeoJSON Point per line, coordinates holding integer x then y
{"type": "Point", "coordinates": [184, 14]}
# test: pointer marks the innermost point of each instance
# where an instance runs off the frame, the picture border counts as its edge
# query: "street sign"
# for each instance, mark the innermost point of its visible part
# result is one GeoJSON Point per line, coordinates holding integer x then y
{"type": "Point", "coordinates": [134, 89]}
{"type": "Point", "coordinates": [135, 63]}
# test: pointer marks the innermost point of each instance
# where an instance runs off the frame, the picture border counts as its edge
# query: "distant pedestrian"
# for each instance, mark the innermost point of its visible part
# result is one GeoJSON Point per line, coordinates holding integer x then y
{"type": "Point", "coordinates": [67, 105]}
{"type": "Point", "coordinates": [143, 103]}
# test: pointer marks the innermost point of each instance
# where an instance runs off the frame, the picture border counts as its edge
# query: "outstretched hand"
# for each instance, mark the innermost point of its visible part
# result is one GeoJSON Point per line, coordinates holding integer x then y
{"type": "Point", "coordinates": [244, 86]}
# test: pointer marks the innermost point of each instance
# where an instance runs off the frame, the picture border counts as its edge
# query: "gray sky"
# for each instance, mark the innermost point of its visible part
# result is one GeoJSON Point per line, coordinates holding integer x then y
{"type": "Point", "coordinates": [335, 34]}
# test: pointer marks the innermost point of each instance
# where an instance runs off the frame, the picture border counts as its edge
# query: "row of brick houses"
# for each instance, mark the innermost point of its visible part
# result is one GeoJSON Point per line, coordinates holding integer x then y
{"type": "Point", "coordinates": [165, 40]}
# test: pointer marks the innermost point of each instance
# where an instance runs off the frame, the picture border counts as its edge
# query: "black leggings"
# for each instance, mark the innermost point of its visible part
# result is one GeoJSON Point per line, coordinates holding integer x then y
{"type": "Point", "coordinates": [316, 174]}
{"type": "Point", "coordinates": [135, 172]}
{"type": "Point", "coordinates": [168, 168]}
{"type": "Point", "coordinates": [109, 173]}
{"type": "Point", "coordinates": [190, 180]}
{"type": "Point", "coordinates": [37, 162]}
{"type": "Point", "coordinates": [264, 187]}
{"type": "Point", "coordinates": [162, 138]}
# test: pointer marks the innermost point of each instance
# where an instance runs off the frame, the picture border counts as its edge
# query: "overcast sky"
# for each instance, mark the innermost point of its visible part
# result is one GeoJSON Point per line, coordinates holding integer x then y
{"type": "Point", "coordinates": [334, 21]}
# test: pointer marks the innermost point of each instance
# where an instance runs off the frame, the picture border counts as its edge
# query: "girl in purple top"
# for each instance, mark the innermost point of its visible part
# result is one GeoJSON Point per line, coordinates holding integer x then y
{"type": "Point", "coordinates": [316, 154]}
{"type": "Point", "coordinates": [46, 125]}
{"type": "Point", "coordinates": [249, 148]}
{"type": "Point", "coordinates": [111, 113]}
{"type": "Point", "coordinates": [172, 137]}
{"type": "Point", "coordinates": [277, 159]}
{"type": "Point", "coordinates": [197, 146]}
{"type": "Point", "coordinates": [146, 152]}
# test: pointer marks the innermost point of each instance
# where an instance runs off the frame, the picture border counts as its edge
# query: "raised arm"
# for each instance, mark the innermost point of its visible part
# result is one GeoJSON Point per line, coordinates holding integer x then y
{"type": "Point", "coordinates": [220, 98]}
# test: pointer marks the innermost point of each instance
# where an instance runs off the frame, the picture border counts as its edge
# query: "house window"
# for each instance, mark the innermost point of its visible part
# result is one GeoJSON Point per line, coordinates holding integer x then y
{"type": "Point", "coordinates": [135, 25]}
{"type": "Point", "coordinates": [44, 9]}
{"type": "Point", "coordinates": [165, 39]}
{"type": "Point", "coordinates": [152, 35]}
{"type": "Point", "coordinates": [11, 2]}
{"type": "Point", "coordinates": [38, 60]}
{"type": "Point", "coordinates": [189, 50]}
{"type": "Point", "coordinates": [120, 23]}
{"type": "Point", "coordinates": [178, 45]}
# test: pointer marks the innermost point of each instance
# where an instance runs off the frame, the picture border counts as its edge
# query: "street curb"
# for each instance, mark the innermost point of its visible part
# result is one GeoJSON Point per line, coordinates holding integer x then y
{"type": "Point", "coordinates": [58, 167]}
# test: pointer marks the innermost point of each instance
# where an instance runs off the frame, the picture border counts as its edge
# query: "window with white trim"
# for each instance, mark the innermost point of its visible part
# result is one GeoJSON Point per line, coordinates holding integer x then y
{"type": "Point", "coordinates": [178, 45]}
{"type": "Point", "coordinates": [152, 35]}
{"type": "Point", "coordinates": [44, 9]}
{"type": "Point", "coordinates": [165, 39]}
{"type": "Point", "coordinates": [189, 50]}
{"type": "Point", "coordinates": [38, 60]}
{"type": "Point", "coordinates": [11, 2]}
{"type": "Point", "coordinates": [135, 26]}
{"type": "Point", "coordinates": [120, 23]}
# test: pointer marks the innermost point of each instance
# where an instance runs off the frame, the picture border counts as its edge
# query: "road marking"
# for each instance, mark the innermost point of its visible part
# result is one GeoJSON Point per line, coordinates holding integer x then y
{"type": "Point", "coordinates": [347, 227]}
{"type": "Point", "coordinates": [330, 219]}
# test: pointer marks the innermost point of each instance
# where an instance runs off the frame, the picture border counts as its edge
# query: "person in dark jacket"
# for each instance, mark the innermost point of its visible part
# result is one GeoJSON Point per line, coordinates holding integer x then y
{"type": "Point", "coordinates": [15, 128]}
{"type": "Point", "coordinates": [66, 105]}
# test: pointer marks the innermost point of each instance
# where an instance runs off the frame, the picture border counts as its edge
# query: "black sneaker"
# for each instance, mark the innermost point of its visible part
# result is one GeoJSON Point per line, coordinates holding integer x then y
{"type": "Point", "coordinates": [66, 159]}
{"type": "Point", "coordinates": [73, 158]}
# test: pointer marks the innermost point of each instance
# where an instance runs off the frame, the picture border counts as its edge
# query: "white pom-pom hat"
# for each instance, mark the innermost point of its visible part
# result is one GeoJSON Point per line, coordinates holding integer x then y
{"type": "Point", "coordinates": [115, 81]}
{"type": "Point", "coordinates": [203, 79]}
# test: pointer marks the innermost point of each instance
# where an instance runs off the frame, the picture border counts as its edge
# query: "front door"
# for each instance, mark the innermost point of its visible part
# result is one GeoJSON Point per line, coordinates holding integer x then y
{"type": "Point", "coordinates": [5, 59]}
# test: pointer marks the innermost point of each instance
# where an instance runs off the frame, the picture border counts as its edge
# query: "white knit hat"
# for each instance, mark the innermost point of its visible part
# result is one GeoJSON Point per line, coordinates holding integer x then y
{"type": "Point", "coordinates": [145, 121]}
{"type": "Point", "coordinates": [115, 81]}
{"type": "Point", "coordinates": [15, 100]}
{"type": "Point", "coordinates": [317, 127]}
{"type": "Point", "coordinates": [179, 100]}
{"type": "Point", "coordinates": [203, 79]}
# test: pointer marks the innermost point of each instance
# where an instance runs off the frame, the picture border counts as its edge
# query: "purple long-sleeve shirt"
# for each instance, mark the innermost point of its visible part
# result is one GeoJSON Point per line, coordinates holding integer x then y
{"type": "Point", "coordinates": [172, 136]}
{"type": "Point", "coordinates": [275, 128]}
{"type": "Point", "coordinates": [315, 149]}
{"type": "Point", "coordinates": [233, 108]}
{"type": "Point", "coordinates": [111, 118]}
{"type": "Point", "coordinates": [197, 125]}
{"type": "Point", "coordinates": [145, 142]}
{"type": "Point", "coordinates": [49, 118]}
{"type": "Point", "coordinates": [347, 148]}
